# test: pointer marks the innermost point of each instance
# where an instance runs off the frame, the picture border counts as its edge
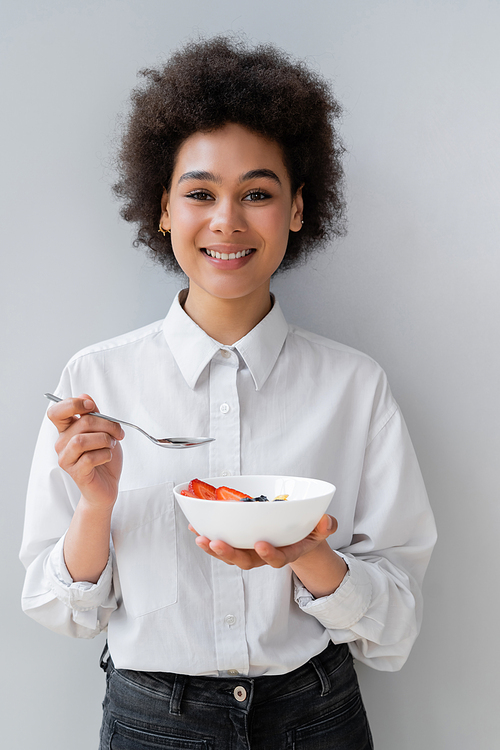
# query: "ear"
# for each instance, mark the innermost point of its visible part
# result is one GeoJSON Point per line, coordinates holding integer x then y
{"type": "Point", "coordinates": [165, 211]}
{"type": "Point", "coordinates": [297, 211]}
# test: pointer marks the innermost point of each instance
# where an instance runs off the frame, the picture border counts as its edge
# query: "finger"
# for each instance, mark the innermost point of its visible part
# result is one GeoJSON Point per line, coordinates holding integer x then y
{"type": "Point", "coordinates": [277, 557]}
{"type": "Point", "coordinates": [191, 528]}
{"type": "Point", "coordinates": [66, 411]}
{"type": "Point", "coordinates": [89, 423]}
{"type": "Point", "coordinates": [204, 543]}
{"type": "Point", "coordinates": [84, 443]}
{"type": "Point", "coordinates": [274, 556]}
{"type": "Point", "coordinates": [326, 526]}
{"type": "Point", "coordinates": [246, 559]}
{"type": "Point", "coordinates": [84, 467]}
{"type": "Point", "coordinates": [90, 426]}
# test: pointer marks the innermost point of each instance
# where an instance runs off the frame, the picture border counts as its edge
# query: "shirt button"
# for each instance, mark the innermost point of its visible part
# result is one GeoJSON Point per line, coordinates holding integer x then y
{"type": "Point", "coordinates": [240, 693]}
{"type": "Point", "coordinates": [224, 408]}
{"type": "Point", "coordinates": [226, 474]}
{"type": "Point", "coordinates": [233, 672]}
{"type": "Point", "coordinates": [229, 619]}
{"type": "Point", "coordinates": [225, 353]}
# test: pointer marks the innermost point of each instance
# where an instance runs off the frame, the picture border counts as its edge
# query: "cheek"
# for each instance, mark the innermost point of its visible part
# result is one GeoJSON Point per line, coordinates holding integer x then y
{"type": "Point", "coordinates": [275, 223]}
{"type": "Point", "coordinates": [187, 259]}
{"type": "Point", "coordinates": [185, 227]}
{"type": "Point", "coordinates": [185, 218]}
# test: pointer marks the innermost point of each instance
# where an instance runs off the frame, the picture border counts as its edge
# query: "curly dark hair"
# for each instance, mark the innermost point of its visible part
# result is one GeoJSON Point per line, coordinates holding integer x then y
{"type": "Point", "coordinates": [222, 80]}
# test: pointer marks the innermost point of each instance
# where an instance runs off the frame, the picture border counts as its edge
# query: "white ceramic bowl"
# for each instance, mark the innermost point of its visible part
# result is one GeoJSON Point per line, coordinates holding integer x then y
{"type": "Point", "coordinates": [242, 524]}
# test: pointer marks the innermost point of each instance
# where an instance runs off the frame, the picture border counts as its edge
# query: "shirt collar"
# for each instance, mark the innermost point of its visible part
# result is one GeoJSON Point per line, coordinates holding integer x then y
{"type": "Point", "coordinates": [193, 349]}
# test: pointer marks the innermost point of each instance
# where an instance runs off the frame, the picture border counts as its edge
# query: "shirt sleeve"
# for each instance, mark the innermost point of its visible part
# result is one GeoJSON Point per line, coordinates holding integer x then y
{"type": "Point", "coordinates": [50, 596]}
{"type": "Point", "coordinates": [377, 609]}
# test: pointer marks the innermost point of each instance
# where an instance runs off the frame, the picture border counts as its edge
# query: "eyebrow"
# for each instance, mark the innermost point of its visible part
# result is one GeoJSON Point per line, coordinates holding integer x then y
{"type": "Point", "coordinates": [254, 174]}
{"type": "Point", "coordinates": [198, 174]}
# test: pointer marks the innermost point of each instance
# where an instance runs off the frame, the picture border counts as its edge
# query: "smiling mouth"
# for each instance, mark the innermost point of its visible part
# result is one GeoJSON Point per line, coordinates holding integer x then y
{"type": "Point", "coordinates": [228, 256]}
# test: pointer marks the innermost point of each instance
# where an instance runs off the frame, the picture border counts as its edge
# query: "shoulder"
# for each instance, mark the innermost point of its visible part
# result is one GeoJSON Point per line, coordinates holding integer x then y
{"type": "Point", "coordinates": [329, 351]}
{"type": "Point", "coordinates": [338, 373]}
{"type": "Point", "coordinates": [118, 363]}
{"type": "Point", "coordinates": [125, 343]}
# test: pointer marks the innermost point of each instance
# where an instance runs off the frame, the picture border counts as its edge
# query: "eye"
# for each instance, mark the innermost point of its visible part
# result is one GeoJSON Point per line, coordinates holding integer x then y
{"type": "Point", "coordinates": [256, 195]}
{"type": "Point", "coordinates": [199, 195]}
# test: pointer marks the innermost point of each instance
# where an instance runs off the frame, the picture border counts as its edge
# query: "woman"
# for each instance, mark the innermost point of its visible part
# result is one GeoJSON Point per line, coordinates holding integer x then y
{"type": "Point", "coordinates": [230, 166]}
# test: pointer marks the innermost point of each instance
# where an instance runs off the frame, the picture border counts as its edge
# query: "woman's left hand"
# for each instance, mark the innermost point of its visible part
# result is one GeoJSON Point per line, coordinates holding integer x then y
{"type": "Point", "coordinates": [264, 553]}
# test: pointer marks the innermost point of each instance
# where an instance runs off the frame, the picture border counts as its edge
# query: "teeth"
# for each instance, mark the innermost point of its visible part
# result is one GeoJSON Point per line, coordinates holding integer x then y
{"type": "Point", "coordinates": [228, 256]}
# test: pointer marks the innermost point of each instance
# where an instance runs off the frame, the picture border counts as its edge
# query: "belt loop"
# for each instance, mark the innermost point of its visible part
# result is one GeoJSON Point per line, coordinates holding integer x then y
{"type": "Point", "coordinates": [177, 692]}
{"type": "Point", "coordinates": [103, 662]}
{"type": "Point", "coordinates": [326, 685]}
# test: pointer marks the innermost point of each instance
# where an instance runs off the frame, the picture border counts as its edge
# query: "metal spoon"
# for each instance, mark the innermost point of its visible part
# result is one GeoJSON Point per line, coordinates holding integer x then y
{"type": "Point", "coordinates": [173, 442]}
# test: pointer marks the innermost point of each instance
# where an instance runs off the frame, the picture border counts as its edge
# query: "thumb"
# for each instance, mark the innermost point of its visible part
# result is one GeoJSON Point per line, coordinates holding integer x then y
{"type": "Point", "coordinates": [327, 525]}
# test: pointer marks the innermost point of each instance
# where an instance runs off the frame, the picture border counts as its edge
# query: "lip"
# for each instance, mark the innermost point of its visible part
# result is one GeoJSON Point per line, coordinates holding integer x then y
{"type": "Point", "coordinates": [227, 249]}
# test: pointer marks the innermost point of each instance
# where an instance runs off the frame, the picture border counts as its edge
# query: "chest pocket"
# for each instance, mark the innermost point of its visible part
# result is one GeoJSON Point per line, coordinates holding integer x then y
{"type": "Point", "coordinates": [144, 538]}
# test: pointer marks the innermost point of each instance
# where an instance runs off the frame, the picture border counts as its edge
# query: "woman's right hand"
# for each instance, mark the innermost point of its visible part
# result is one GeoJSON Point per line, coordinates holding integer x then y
{"type": "Point", "coordinates": [88, 449]}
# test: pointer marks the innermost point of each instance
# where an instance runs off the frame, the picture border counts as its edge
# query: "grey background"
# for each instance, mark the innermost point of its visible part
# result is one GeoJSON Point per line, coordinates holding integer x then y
{"type": "Point", "coordinates": [414, 284]}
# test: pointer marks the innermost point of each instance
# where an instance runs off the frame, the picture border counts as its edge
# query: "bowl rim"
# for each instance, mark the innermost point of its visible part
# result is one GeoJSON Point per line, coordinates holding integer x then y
{"type": "Point", "coordinates": [327, 489]}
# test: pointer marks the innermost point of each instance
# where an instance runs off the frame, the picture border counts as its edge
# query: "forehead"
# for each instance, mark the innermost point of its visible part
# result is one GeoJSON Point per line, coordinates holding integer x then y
{"type": "Point", "coordinates": [230, 151]}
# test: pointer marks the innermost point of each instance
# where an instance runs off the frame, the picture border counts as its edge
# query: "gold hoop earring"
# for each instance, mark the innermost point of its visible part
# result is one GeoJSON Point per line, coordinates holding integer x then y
{"type": "Point", "coordinates": [161, 230]}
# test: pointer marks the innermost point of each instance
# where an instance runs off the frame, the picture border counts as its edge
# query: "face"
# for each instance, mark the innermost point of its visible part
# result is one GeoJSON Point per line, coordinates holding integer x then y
{"type": "Point", "coordinates": [229, 210]}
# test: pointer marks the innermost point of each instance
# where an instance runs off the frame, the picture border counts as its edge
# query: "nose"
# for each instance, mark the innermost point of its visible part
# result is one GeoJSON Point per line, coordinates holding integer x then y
{"type": "Point", "coordinates": [228, 217]}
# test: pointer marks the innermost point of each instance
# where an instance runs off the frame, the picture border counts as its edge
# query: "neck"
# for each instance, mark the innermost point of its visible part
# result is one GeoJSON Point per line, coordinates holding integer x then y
{"type": "Point", "coordinates": [226, 320]}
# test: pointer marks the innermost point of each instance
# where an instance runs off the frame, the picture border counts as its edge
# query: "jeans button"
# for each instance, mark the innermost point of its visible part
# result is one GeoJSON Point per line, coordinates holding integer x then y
{"type": "Point", "coordinates": [240, 693]}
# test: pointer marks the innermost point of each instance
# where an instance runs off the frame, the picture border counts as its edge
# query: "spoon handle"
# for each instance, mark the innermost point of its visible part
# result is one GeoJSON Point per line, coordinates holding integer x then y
{"type": "Point", "coordinates": [51, 397]}
{"type": "Point", "coordinates": [163, 442]}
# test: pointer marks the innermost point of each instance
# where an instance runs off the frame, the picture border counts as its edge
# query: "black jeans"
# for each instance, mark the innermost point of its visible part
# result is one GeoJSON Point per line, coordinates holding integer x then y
{"type": "Point", "coordinates": [315, 707]}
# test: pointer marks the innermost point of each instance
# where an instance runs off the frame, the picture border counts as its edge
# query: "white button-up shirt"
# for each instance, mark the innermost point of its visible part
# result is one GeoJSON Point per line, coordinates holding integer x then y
{"type": "Point", "coordinates": [280, 401]}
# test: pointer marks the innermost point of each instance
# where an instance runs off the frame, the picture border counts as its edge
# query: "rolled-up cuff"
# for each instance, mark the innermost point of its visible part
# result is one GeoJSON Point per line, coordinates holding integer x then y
{"type": "Point", "coordinates": [80, 596]}
{"type": "Point", "coordinates": [348, 603]}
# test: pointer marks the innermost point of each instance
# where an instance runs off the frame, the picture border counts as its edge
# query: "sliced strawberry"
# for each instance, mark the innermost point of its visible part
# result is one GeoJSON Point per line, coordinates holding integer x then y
{"type": "Point", "coordinates": [188, 493]}
{"type": "Point", "coordinates": [202, 489]}
{"type": "Point", "coordinates": [226, 493]}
